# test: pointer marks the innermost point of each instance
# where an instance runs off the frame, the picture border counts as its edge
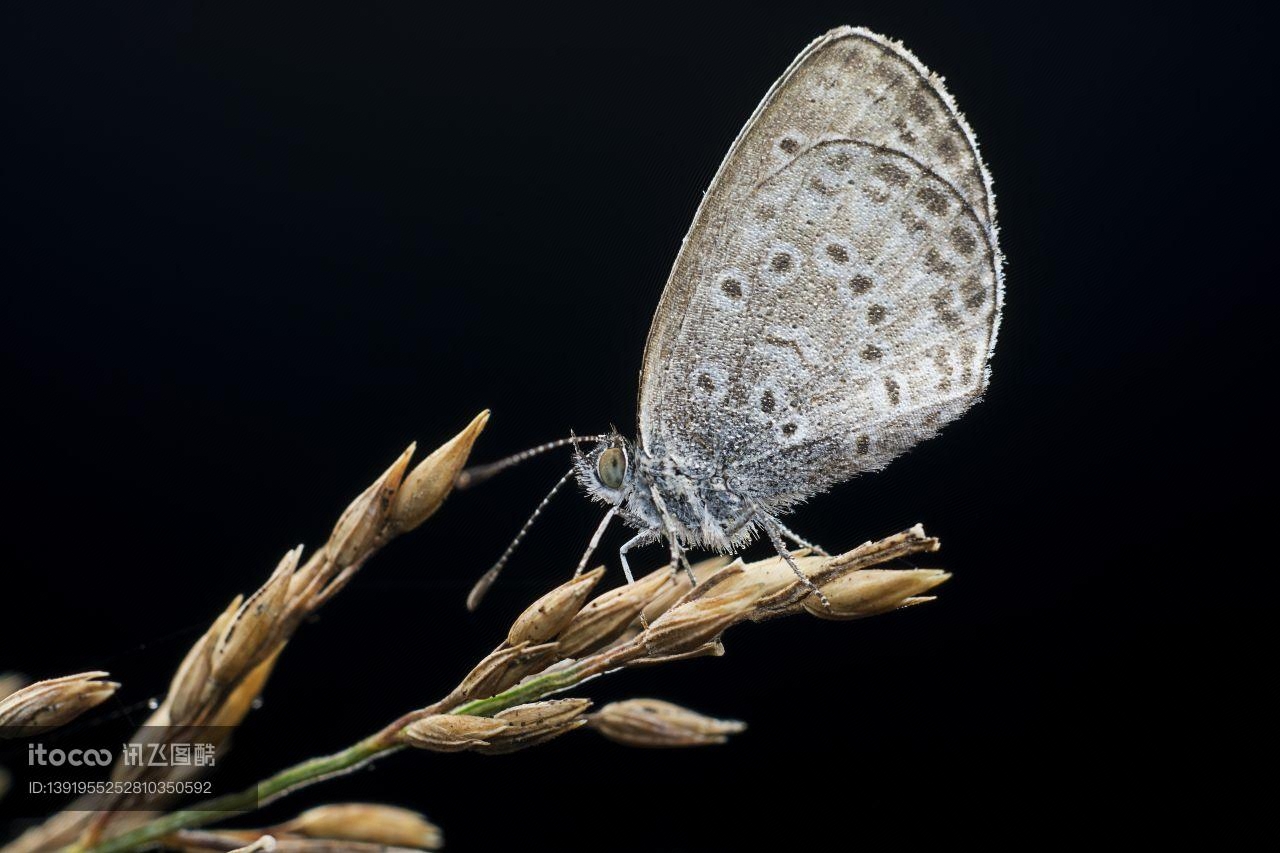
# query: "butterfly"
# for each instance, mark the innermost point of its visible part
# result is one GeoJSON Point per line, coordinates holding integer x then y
{"type": "Point", "coordinates": [835, 302]}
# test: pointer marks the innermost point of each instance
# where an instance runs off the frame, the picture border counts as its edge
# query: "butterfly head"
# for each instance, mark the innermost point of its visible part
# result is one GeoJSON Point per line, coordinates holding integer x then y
{"type": "Point", "coordinates": [607, 470]}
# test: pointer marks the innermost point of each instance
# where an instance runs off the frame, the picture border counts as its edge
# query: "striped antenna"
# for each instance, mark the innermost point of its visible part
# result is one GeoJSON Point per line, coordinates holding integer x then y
{"type": "Point", "coordinates": [486, 580]}
{"type": "Point", "coordinates": [478, 474]}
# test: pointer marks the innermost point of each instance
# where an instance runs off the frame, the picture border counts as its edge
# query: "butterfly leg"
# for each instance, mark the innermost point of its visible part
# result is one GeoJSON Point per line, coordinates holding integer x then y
{"type": "Point", "coordinates": [772, 526]}
{"type": "Point", "coordinates": [638, 539]}
{"type": "Point", "coordinates": [642, 538]}
{"type": "Point", "coordinates": [688, 569]}
{"type": "Point", "coordinates": [595, 540]}
{"type": "Point", "coordinates": [678, 558]}
{"type": "Point", "coordinates": [791, 534]}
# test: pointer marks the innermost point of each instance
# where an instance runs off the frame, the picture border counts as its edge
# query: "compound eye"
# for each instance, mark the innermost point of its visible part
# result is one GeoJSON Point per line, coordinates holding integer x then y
{"type": "Point", "coordinates": [611, 467]}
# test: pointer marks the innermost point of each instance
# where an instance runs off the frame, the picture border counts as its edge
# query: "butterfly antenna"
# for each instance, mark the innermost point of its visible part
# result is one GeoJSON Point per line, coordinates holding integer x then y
{"type": "Point", "coordinates": [482, 586]}
{"type": "Point", "coordinates": [479, 473]}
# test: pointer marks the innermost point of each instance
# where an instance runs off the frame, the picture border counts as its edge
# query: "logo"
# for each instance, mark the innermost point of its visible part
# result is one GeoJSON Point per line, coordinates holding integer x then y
{"type": "Point", "coordinates": [39, 756]}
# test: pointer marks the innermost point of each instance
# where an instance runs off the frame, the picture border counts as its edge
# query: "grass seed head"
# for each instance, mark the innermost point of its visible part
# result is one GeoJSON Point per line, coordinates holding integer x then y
{"type": "Point", "coordinates": [652, 723]}
{"type": "Point", "coordinates": [452, 732]}
{"type": "Point", "coordinates": [54, 702]}
{"type": "Point", "coordinates": [694, 623]}
{"type": "Point", "coordinates": [257, 627]}
{"type": "Point", "coordinates": [535, 723]}
{"type": "Point", "coordinates": [678, 584]}
{"type": "Point", "coordinates": [371, 823]}
{"type": "Point", "coordinates": [550, 614]}
{"type": "Point", "coordinates": [504, 667]}
{"type": "Point", "coordinates": [869, 592]}
{"type": "Point", "coordinates": [609, 614]}
{"type": "Point", "coordinates": [431, 480]}
{"type": "Point", "coordinates": [363, 523]}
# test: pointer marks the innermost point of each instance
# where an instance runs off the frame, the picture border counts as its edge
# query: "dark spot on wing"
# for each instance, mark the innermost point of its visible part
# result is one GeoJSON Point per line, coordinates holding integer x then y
{"type": "Point", "coordinates": [876, 196]}
{"type": "Point", "coordinates": [973, 293]}
{"type": "Point", "coordinates": [933, 201]}
{"type": "Point", "coordinates": [871, 352]}
{"type": "Point", "coordinates": [863, 444]}
{"type": "Point", "coordinates": [941, 300]}
{"type": "Point", "coordinates": [817, 184]}
{"type": "Point", "coordinates": [967, 354]}
{"type": "Point", "coordinates": [891, 173]}
{"type": "Point", "coordinates": [948, 149]}
{"type": "Point", "coordinates": [860, 284]}
{"type": "Point", "coordinates": [935, 263]}
{"type": "Point", "coordinates": [838, 253]}
{"type": "Point", "coordinates": [915, 224]}
{"type": "Point", "coordinates": [767, 402]}
{"type": "Point", "coordinates": [889, 73]}
{"type": "Point", "coordinates": [732, 288]}
{"type": "Point", "coordinates": [780, 262]}
{"type": "Point", "coordinates": [876, 314]}
{"type": "Point", "coordinates": [919, 105]}
{"type": "Point", "coordinates": [962, 238]}
{"type": "Point", "coordinates": [892, 389]}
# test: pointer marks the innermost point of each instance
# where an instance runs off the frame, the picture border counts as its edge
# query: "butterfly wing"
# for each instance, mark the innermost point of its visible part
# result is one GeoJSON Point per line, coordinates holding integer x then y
{"type": "Point", "coordinates": [837, 297]}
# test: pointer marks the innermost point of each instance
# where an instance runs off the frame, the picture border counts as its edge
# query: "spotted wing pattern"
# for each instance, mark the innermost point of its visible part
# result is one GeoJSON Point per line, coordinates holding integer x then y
{"type": "Point", "coordinates": [838, 295]}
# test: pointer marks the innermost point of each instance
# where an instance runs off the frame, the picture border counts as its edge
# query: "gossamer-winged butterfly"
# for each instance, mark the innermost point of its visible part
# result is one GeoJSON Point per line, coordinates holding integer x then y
{"type": "Point", "coordinates": [835, 302]}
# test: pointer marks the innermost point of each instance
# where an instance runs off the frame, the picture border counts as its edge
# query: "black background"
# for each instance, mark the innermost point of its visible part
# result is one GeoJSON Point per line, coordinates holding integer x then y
{"type": "Point", "coordinates": [251, 251]}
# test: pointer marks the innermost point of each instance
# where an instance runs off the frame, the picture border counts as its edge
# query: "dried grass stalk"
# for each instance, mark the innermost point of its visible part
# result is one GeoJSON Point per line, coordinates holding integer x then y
{"type": "Point", "coordinates": [227, 668]}
{"type": "Point", "coordinates": [655, 620]}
